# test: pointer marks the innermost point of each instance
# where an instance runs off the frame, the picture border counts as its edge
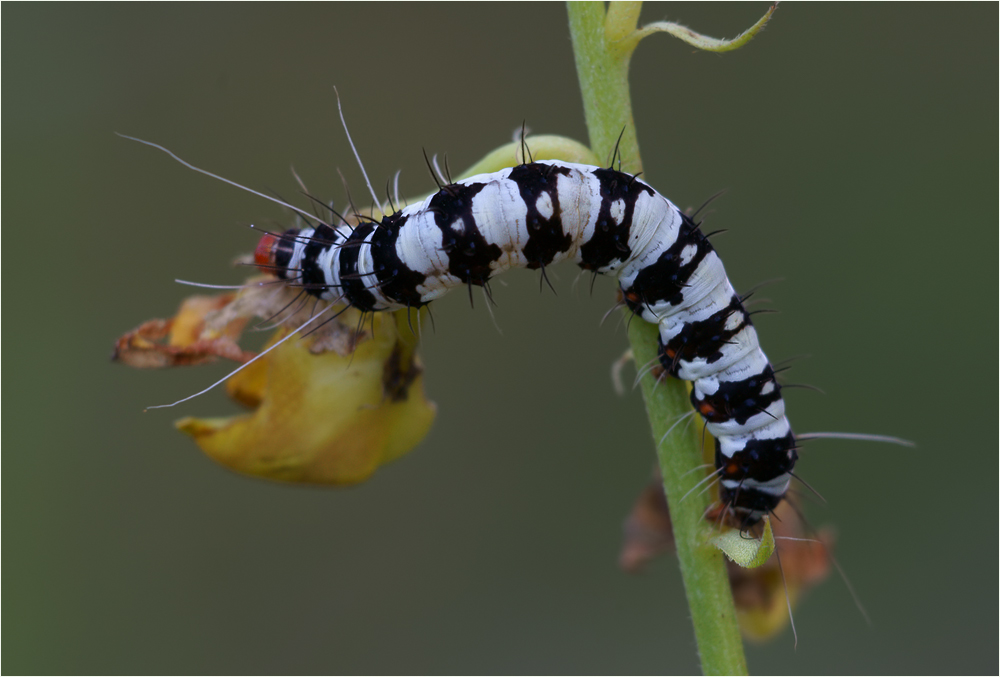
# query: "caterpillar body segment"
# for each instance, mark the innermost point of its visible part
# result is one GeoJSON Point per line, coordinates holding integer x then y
{"type": "Point", "coordinates": [540, 213]}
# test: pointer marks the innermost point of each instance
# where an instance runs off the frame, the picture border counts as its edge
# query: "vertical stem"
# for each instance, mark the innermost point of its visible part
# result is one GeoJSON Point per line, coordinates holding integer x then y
{"type": "Point", "coordinates": [602, 67]}
{"type": "Point", "coordinates": [703, 567]}
{"type": "Point", "coordinates": [607, 102]}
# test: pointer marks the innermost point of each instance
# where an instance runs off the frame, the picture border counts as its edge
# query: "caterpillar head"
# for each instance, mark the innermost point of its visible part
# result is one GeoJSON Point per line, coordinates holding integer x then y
{"type": "Point", "coordinates": [263, 255]}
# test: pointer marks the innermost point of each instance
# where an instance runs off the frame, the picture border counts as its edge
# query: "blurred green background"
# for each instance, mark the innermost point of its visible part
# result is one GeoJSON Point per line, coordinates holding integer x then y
{"type": "Point", "coordinates": [859, 147]}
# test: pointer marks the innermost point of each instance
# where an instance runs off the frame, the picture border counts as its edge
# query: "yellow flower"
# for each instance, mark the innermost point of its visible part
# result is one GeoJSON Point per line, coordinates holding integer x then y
{"type": "Point", "coordinates": [329, 405]}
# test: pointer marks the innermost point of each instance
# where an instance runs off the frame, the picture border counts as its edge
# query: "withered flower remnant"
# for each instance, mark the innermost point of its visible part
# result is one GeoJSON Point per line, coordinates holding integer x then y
{"type": "Point", "coordinates": [329, 406]}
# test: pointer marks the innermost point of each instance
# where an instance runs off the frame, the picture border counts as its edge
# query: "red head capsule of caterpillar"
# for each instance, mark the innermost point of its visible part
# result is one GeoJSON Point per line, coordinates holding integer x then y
{"type": "Point", "coordinates": [264, 254]}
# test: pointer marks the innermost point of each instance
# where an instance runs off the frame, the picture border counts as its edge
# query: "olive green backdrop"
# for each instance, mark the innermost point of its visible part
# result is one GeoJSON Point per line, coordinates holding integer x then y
{"type": "Point", "coordinates": [859, 147]}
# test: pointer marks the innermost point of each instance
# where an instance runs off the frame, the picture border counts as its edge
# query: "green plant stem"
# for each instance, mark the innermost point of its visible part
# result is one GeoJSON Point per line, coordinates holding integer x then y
{"type": "Point", "coordinates": [602, 66]}
{"type": "Point", "coordinates": [702, 566]}
{"type": "Point", "coordinates": [607, 102]}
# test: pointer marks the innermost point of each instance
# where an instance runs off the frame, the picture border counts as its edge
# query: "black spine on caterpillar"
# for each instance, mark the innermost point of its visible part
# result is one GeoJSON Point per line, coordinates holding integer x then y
{"type": "Point", "coordinates": [540, 213]}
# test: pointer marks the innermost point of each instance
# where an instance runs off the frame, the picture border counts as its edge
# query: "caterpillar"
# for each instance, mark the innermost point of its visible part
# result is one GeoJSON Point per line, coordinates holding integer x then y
{"type": "Point", "coordinates": [609, 222]}
{"type": "Point", "coordinates": [533, 215]}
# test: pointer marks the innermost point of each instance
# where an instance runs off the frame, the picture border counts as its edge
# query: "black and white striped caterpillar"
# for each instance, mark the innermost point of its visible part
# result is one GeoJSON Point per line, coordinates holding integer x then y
{"type": "Point", "coordinates": [543, 212]}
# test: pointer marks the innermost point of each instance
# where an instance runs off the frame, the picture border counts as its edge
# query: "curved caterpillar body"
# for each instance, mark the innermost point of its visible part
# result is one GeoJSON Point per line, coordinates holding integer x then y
{"type": "Point", "coordinates": [606, 221]}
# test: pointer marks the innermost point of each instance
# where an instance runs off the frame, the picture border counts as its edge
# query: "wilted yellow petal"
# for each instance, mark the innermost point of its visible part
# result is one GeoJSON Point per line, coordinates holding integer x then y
{"type": "Point", "coordinates": [185, 339]}
{"type": "Point", "coordinates": [323, 416]}
{"type": "Point", "coordinates": [189, 324]}
{"type": "Point", "coordinates": [767, 615]}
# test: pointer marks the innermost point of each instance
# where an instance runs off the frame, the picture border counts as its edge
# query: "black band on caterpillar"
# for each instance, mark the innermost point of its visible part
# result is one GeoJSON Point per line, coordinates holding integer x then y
{"type": "Point", "coordinates": [540, 213]}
